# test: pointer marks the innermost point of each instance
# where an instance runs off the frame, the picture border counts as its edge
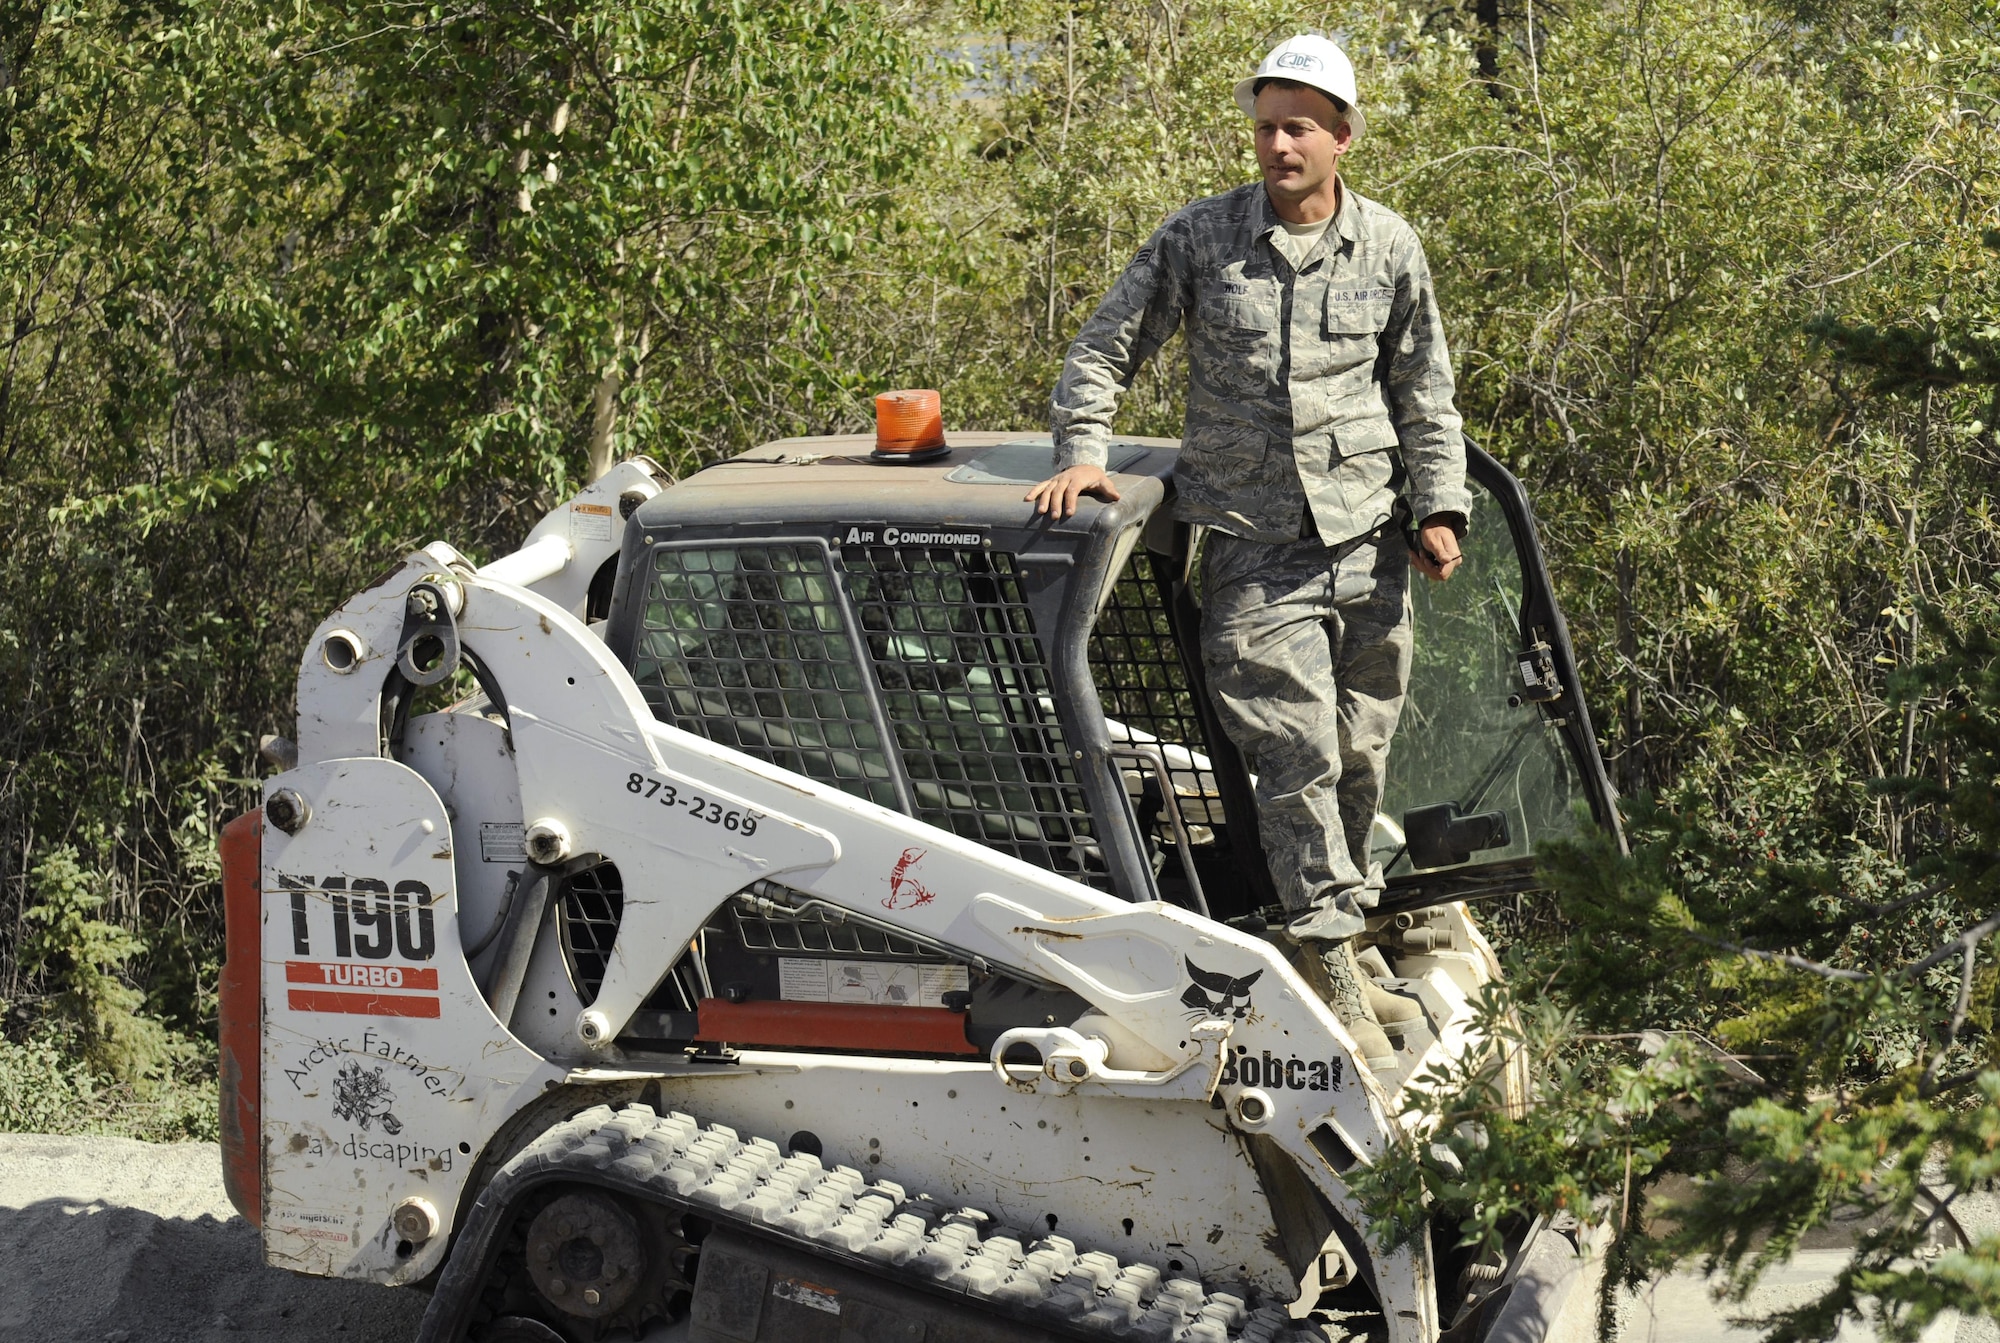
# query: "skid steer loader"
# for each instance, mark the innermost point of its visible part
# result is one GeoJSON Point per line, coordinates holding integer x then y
{"type": "Point", "coordinates": [813, 900]}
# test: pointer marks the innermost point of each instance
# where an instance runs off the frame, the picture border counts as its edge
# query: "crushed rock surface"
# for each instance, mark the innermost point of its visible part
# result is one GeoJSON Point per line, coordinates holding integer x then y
{"type": "Point", "coordinates": [108, 1240]}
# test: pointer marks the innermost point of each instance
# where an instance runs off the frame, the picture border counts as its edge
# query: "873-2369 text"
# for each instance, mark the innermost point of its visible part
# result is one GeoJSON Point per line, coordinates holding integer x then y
{"type": "Point", "coordinates": [744, 822]}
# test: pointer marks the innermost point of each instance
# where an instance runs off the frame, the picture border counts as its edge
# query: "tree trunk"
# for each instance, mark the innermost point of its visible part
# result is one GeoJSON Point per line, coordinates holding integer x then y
{"type": "Point", "coordinates": [1486, 16]}
{"type": "Point", "coordinates": [603, 418]}
{"type": "Point", "coordinates": [1632, 757]}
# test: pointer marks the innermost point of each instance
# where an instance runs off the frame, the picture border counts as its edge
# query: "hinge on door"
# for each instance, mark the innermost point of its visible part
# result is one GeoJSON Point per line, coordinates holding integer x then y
{"type": "Point", "coordinates": [1539, 682]}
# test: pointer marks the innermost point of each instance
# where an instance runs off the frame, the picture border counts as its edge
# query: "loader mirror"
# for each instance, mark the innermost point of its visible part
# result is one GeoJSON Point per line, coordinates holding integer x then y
{"type": "Point", "coordinates": [1442, 836]}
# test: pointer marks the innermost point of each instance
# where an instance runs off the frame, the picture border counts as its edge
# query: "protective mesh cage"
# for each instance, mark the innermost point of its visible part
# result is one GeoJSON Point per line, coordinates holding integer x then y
{"type": "Point", "coordinates": [748, 646]}
{"type": "Point", "coordinates": [1144, 687]}
{"type": "Point", "coordinates": [811, 930]}
{"type": "Point", "coordinates": [588, 908]}
{"type": "Point", "coordinates": [967, 691]}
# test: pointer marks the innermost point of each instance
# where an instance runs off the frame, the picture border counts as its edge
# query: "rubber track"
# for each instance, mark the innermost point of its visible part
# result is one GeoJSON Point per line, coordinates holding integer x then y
{"type": "Point", "coordinates": [750, 1184]}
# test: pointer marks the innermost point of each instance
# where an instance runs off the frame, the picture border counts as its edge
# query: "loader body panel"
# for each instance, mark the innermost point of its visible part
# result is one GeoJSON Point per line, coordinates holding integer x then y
{"type": "Point", "coordinates": [874, 854]}
{"type": "Point", "coordinates": [383, 1069]}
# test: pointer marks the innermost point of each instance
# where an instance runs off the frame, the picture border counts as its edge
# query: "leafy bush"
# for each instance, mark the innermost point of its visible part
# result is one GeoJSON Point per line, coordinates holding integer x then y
{"type": "Point", "coordinates": [84, 1058]}
{"type": "Point", "coordinates": [1852, 1067]}
{"type": "Point", "coordinates": [81, 956]}
{"type": "Point", "coordinates": [45, 1087]}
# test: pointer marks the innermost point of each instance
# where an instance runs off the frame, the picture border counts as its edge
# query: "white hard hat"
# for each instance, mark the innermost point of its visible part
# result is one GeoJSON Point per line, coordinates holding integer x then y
{"type": "Point", "coordinates": [1311, 60]}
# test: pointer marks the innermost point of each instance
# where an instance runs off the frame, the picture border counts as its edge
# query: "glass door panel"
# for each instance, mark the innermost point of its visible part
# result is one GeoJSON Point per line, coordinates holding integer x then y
{"type": "Point", "coordinates": [1468, 737]}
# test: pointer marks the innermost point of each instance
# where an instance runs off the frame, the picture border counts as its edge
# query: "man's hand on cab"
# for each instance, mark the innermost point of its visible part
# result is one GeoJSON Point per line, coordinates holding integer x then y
{"type": "Point", "coordinates": [1057, 495]}
{"type": "Point", "coordinates": [1437, 554]}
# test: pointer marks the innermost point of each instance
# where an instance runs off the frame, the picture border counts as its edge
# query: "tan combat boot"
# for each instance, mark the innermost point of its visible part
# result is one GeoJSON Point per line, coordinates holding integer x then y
{"type": "Point", "coordinates": [1391, 1009]}
{"type": "Point", "coordinates": [1329, 968]}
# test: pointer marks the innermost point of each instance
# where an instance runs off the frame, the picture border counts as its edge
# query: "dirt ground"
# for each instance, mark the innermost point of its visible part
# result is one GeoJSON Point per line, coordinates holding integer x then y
{"type": "Point", "coordinates": [107, 1240]}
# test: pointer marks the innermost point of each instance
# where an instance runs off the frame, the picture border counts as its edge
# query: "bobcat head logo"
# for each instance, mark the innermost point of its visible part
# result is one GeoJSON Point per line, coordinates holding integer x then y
{"type": "Point", "coordinates": [1211, 994]}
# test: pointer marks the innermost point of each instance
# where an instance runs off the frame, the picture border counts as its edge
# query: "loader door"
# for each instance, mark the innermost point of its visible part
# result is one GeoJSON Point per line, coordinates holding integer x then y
{"type": "Point", "coordinates": [1494, 753]}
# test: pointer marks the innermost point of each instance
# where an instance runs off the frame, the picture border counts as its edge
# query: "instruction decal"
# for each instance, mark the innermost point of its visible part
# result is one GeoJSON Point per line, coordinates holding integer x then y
{"type": "Point", "coordinates": [590, 522]}
{"type": "Point", "coordinates": [503, 842]}
{"type": "Point", "coordinates": [313, 1225]}
{"type": "Point", "coordinates": [810, 979]}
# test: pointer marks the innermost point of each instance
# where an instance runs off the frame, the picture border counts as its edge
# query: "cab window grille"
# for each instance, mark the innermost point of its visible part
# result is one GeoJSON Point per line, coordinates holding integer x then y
{"type": "Point", "coordinates": [748, 646]}
{"type": "Point", "coordinates": [1142, 684]}
{"type": "Point", "coordinates": [591, 903]}
{"type": "Point", "coordinates": [969, 699]}
{"type": "Point", "coordinates": [811, 930]}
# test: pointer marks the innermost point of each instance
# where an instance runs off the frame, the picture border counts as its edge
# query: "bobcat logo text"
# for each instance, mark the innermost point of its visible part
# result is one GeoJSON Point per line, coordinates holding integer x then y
{"type": "Point", "coordinates": [1265, 1069]}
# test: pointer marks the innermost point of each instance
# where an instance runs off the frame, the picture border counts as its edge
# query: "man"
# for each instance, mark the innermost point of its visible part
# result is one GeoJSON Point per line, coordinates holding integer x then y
{"type": "Point", "coordinates": [1319, 421]}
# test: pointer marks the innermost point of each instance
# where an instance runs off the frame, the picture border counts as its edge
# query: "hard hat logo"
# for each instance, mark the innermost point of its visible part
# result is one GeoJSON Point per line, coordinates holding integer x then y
{"type": "Point", "coordinates": [1312, 60]}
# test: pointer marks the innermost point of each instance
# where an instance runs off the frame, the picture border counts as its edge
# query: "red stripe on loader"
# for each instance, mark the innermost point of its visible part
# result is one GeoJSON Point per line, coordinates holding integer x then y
{"type": "Point", "coordinates": [242, 1014]}
{"type": "Point", "coordinates": [361, 1004]}
{"type": "Point", "coordinates": [860, 1027]}
{"type": "Point", "coordinates": [360, 975]}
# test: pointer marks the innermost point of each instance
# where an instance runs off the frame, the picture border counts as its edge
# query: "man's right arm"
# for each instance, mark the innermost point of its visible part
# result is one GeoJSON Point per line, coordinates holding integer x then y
{"type": "Point", "coordinates": [1138, 315]}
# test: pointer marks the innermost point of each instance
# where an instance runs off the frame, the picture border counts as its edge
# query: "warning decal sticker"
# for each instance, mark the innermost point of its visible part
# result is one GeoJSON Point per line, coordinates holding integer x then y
{"type": "Point", "coordinates": [806, 979]}
{"type": "Point", "coordinates": [590, 522]}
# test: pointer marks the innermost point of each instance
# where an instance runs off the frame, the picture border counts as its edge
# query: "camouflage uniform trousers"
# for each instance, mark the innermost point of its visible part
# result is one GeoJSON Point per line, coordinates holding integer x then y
{"type": "Point", "coordinates": [1307, 653]}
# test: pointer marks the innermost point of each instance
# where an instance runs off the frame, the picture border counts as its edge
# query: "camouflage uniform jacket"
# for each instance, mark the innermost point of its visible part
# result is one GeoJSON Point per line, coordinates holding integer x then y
{"type": "Point", "coordinates": [1327, 387]}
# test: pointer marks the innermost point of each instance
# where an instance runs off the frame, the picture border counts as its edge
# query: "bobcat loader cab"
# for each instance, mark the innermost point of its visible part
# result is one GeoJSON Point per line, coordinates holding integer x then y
{"type": "Point", "coordinates": [1034, 686]}
{"type": "Point", "coordinates": [837, 915]}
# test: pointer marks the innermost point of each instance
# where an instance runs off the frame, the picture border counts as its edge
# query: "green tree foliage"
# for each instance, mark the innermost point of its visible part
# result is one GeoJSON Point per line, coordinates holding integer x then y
{"type": "Point", "coordinates": [82, 955]}
{"type": "Point", "coordinates": [1852, 1076]}
{"type": "Point", "coordinates": [1634, 226]}
{"type": "Point", "coordinates": [610, 216]}
{"type": "Point", "coordinates": [290, 290]}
